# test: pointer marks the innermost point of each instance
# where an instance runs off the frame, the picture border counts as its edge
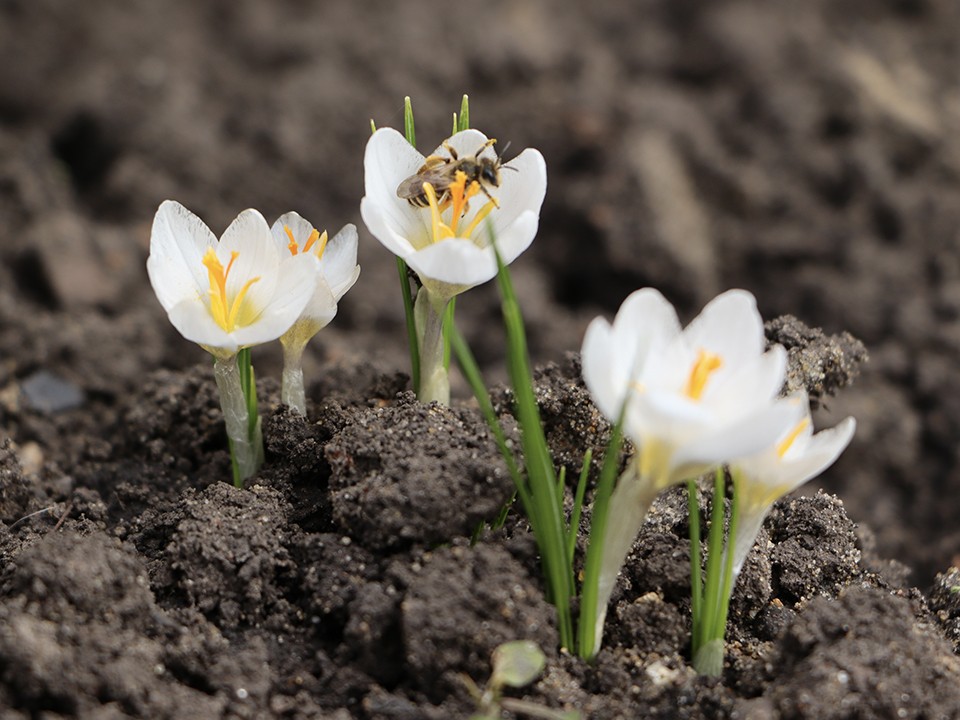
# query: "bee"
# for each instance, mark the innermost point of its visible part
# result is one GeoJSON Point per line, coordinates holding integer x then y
{"type": "Point", "coordinates": [441, 172]}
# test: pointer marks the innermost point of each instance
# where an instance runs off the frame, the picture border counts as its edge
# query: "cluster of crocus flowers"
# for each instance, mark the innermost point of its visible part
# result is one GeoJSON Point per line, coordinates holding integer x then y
{"type": "Point", "coordinates": [241, 291]}
{"type": "Point", "coordinates": [691, 399]}
{"type": "Point", "coordinates": [446, 240]}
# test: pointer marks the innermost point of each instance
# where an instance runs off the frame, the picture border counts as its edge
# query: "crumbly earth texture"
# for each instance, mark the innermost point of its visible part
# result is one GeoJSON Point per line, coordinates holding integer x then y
{"type": "Point", "coordinates": [807, 152]}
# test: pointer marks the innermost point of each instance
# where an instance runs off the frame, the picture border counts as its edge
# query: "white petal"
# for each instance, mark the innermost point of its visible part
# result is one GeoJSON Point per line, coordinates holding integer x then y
{"type": "Point", "coordinates": [738, 390]}
{"type": "Point", "coordinates": [454, 261]}
{"type": "Point", "coordinates": [466, 143]}
{"type": "Point", "coordinates": [820, 453]}
{"type": "Point", "coordinates": [193, 320]}
{"type": "Point", "coordinates": [178, 239]}
{"type": "Point", "coordinates": [322, 306]}
{"type": "Point", "coordinates": [606, 379]}
{"type": "Point", "coordinates": [521, 191]}
{"type": "Point", "coordinates": [257, 257]}
{"type": "Point", "coordinates": [301, 229]}
{"type": "Point", "coordinates": [299, 276]}
{"type": "Point", "coordinates": [516, 238]}
{"type": "Point", "coordinates": [741, 439]}
{"type": "Point", "coordinates": [389, 160]}
{"type": "Point", "coordinates": [730, 325]}
{"type": "Point", "coordinates": [339, 261]}
{"type": "Point", "coordinates": [376, 218]}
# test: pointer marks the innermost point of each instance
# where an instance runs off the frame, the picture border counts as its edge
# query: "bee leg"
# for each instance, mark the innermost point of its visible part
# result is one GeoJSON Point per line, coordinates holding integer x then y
{"type": "Point", "coordinates": [431, 162]}
{"type": "Point", "coordinates": [450, 149]}
{"type": "Point", "coordinates": [443, 202]}
{"type": "Point", "coordinates": [492, 199]}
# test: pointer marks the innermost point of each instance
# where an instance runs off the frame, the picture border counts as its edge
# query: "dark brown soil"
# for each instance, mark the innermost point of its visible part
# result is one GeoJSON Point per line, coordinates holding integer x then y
{"type": "Point", "coordinates": [809, 152]}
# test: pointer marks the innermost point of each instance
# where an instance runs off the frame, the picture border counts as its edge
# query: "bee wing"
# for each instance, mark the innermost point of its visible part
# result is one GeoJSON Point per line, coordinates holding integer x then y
{"type": "Point", "coordinates": [412, 187]}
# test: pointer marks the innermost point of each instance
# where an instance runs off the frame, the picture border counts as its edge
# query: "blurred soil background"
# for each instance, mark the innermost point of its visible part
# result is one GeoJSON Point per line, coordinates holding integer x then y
{"type": "Point", "coordinates": [809, 152]}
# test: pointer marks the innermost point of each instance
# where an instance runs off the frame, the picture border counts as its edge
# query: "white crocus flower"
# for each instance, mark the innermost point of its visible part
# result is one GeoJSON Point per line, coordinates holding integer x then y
{"type": "Point", "coordinates": [226, 296]}
{"type": "Point", "coordinates": [692, 399]}
{"type": "Point", "coordinates": [796, 456]}
{"type": "Point", "coordinates": [336, 272]}
{"type": "Point", "coordinates": [447, 241]}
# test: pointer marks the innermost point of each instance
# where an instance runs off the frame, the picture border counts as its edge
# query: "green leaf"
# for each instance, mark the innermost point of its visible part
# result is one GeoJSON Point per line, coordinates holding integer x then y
{"type": "Point", "coordinates": [408, 128]}
{"type": "Point", "coordinates": [516, 664]}
{"type": "Point", "coordinates": [464, 122]}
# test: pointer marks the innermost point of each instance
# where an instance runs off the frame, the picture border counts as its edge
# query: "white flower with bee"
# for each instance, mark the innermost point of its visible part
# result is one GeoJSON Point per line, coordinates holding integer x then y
{"type": "Point", "coordinates": [445, 239]}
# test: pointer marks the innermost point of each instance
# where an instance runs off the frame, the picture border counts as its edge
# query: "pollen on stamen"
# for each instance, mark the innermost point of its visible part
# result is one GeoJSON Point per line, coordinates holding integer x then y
{"type": "Point", "coordinates": [706, 364]}
{"type": "Point", "coordinates": [292, 246]}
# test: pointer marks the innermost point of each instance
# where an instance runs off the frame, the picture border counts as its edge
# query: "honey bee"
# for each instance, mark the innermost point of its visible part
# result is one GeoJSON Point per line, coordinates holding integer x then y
{"type": "Point", "coordinates": [441, 172]}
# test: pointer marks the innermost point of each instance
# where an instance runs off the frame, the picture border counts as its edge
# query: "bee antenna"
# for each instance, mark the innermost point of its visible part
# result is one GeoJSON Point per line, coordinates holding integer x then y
{"type": "Point", "coordinates": [505, 148]}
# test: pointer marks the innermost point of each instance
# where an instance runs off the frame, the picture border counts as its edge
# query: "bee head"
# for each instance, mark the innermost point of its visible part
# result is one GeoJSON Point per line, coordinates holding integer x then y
{"type": "Point", "coordinates": [490, 171]}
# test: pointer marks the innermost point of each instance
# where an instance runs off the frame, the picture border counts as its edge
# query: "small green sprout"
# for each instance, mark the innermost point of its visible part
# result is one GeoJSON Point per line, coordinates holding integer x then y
{"type": "Point", "coordinates": [515, 664]}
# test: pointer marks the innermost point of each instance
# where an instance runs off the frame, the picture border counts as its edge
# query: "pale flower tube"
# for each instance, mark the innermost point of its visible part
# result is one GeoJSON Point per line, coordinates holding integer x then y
{"type": "Point", "coordinates": [692, 399]}
{"type": "Point", "coordinates": [447, 242]}
{"type": "Point", "coordinates": [336, 272]}
{"type": "Point", "coordinates": [226, 296]}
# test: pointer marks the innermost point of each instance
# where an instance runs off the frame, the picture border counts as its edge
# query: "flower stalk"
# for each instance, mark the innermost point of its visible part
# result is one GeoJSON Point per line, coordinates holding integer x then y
{"type": "Point", "coordinates": [434, 381]}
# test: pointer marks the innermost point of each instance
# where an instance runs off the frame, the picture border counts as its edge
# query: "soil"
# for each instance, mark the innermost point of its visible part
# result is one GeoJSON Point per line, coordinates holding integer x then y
{"type": "Point", "coordinates": [808, 152]}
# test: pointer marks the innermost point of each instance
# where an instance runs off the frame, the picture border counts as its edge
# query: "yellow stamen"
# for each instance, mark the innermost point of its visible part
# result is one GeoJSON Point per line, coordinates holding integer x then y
{"type": "Point", "coordinates": [292, 246]}
{"type": "Point", "coordinates": [314, 237]}
{"type": "Point", "coordinates": [784, 445]}
{"type": "Point", "coordinates": [484, 211]}
{"type": "Point", "coordinates": [436, 222]}
{"type": "Point", "coordinates": [224, 313]}
{"type": "Point", "coordinates": [707, 363]}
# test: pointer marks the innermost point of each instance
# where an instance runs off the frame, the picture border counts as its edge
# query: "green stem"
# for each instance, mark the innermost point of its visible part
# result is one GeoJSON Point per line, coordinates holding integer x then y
{"type": "Point", "coordinates": [434, 380]}
{"type": "Point", "coordinates": [728, 569]}
{"type": "Point", "coordinates": [449, 318]}
{"type": "Point", "coordinates": [236, 416]}
{"type": "Point", "coordinates": [711, 595]}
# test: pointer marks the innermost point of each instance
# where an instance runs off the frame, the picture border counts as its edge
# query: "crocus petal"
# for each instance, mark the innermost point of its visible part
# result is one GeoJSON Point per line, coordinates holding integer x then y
{"type": "Point", "coordinates": [378, 221]}
{"type": "Point", "coordinates": [299, 275]}
{"type": "Point", "coordinates": [729, 326]}
{"type": "Point", "coordinates": [608, 384]}
{"type": "Point", "coordinates": [194, 321]}
{"type": "Point", "coordinates": [454, 261]}
{"type": "Point", "coordinates": [521, 189]}
{"type": "Point", "coordinates": [339, 262]}
{"type": "Point", "coordinates": [389, 160]}
{"type": "Point", "coordinates": [821, 452]}
{"type": "Point", "coordinates": [739, 389]}
{"type": "Point", "coordinates": [300, 227]}
{"type": "Point", "coordinates": [178, 241]}
{"type": "Point", "coordinates": [257, 256]}
{"type": "Point", "coordinates": [739, 439]}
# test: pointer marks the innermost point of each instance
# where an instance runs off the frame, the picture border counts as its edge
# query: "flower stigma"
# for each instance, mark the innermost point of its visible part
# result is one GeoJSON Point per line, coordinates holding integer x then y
{"type": "Point", "coordinates": [225, 313]}
{"type": "Point", "coordinates": [458, 199]}
{"type": "Point", "coordinates": [706, 364]}
{"type": "Point", "coordinates": [315, 237]}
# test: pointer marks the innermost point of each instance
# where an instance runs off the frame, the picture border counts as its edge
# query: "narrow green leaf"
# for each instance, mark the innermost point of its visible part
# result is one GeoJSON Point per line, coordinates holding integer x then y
{"type": "Point", "coordinates": [464, 123]}
{"type": "Point", "coordinates": [408, 128]}
{"type": "Point", "coordinates": [574, 528]}
{"type": "Point", "coordinates": [711, 593]}
{"type": "Point", "coordinates": [373, 126]}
